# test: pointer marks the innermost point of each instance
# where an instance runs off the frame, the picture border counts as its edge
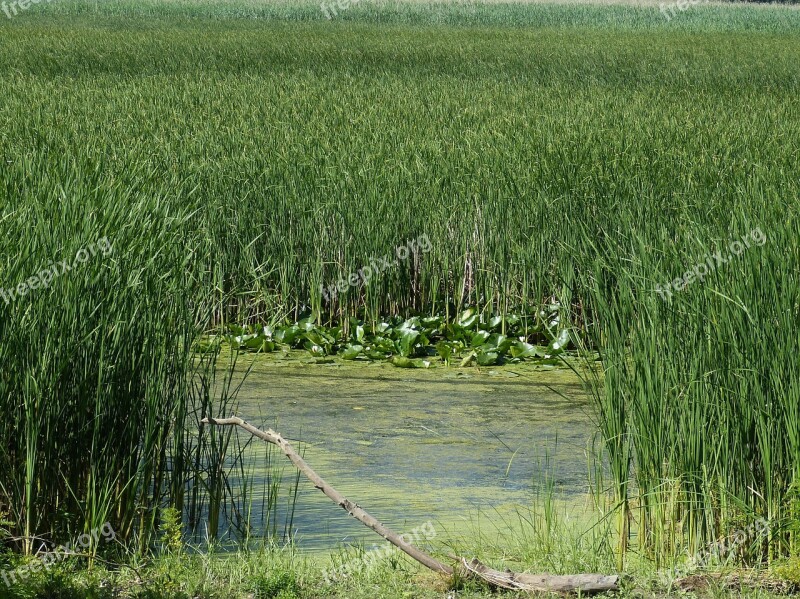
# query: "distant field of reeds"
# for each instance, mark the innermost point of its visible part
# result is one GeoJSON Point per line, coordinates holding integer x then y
{"type": "Point", "coordinates": [237, 167]}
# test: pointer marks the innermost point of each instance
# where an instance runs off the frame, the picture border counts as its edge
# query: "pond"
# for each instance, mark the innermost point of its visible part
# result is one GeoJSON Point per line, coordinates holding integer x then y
{"type": "Point", "coordinates": [460, 448]}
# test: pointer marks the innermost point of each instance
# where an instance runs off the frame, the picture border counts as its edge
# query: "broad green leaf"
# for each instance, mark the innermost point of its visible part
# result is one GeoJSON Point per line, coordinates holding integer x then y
{"type": "Point", "coordinates": [468, 318]}
{"type": "Point", "coordinates": [444, 350]}
{"type": "Point", "coordinates": [479, 338]}
{"type": "Point", "coordinates": [374, 354]}
{"type": "Point", "coordinates": [407, 342]}
{"type": "Point", "coordinates": [561, 342]}
{"type": "Point", "coordinates": [487, 358]}
{"type": "Point", "coordinates": [351, 352]}
{"type": "Point", "coordinates": [402, 362]}
{"type": "Point", "coordinates": [316, 350]}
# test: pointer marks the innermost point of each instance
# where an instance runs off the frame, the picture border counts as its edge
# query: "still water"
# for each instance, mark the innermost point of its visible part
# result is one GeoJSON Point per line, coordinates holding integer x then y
{"type": "Point", "coordinates": [460, 448]}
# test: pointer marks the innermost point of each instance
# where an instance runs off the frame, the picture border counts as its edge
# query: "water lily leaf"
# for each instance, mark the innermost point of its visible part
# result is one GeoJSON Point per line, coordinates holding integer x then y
{"type": "Point", "coordinates": [520, 349]}
{"type": "Point", "coordinates": [306, 324]}
{"type": "Point", "coordinates": [411, 323]}
{"type": "Point", "coordinates": [444, 350]}
{"type": "Point", "coordinates": [247, 341]}
{"type": "Point", "coordinates": [494, 322]}
{"type": "Point", "coordinates": [384, 345]}
{"type": "Point", "coordinates": [496, 340]}
{"type": "Point", "coordinates": [288, 335]}
{"type": "Point", "coordinates": [455, 332]}
{"type": "Point", "coordinates": [407, 342]}
{"type": "Point", "coordinates": [487, 358]}
{"type": "Point", "coordinates": [316, 350]}
{"type": "Point", "coordinates": [374, 354]}
{"type": "Point", "coordinates": [504, 346]}
{"type": "Point", "coordinates": [259, 344]}
{"type": "Point", "coordinates": [467, 360]}
{"type": "Point", "coordinates": [561, 342]}
{"type": "Point", "coordinates": [468, 318]}
{"type": "Point", "coordinates": [351, 352]}
{"type": "Point", "coordinates": [321, 339]}
{"type": "Point", "coordinates": [431, 322]}
{"type": "Point", "coordinates": [479, 338]}
{"type": "Point", "coordinates": [402, 362]}
{"type": "Point", "coordinates": [253, 343]}
{"type": "Point", "coordinates": [314, 337]}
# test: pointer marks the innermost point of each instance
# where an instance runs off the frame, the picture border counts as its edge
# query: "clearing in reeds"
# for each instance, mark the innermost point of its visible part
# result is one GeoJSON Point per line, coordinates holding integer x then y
{"type": "Point", "coordinates": [578, 157]}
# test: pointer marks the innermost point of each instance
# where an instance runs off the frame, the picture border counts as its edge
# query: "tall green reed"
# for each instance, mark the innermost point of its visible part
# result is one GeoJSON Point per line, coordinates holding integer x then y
{"type": "Point", "coordinates": [102, 388]}
{"type": "Point", "coordinates": [702, 384]}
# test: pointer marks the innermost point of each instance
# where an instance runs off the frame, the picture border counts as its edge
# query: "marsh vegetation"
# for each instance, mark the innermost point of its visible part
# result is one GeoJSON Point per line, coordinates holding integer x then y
{"type": "Point", "coordinates": [564, 162]}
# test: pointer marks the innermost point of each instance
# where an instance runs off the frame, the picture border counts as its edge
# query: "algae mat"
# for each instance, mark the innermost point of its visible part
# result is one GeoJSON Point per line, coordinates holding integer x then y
{"type": "Point", "coordinates": [464, 449]}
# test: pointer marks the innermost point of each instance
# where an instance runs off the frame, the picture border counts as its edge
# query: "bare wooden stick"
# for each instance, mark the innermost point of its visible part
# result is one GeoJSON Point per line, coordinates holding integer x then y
{"type": "Point", "coordinates": [585, 583]}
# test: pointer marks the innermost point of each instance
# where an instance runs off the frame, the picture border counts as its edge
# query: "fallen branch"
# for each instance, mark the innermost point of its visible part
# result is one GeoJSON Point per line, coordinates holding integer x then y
{"type": "Point", "coordinates": [572, 583]}
{"type": "Point", "coordinates": [585, 583]}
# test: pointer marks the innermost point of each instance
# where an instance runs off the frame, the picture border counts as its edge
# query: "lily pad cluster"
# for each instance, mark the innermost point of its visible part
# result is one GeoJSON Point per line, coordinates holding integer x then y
{"type": "Point", "coordinates": [471, 338]}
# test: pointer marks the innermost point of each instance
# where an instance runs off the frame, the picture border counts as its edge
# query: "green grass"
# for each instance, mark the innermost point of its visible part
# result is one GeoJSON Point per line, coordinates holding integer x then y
{"type": "Point", "coordinates": [546, 539]}
{"type": "Point", "coordinates": [718, 17]}
{"type": "Point", "coordinates": [236, 164]}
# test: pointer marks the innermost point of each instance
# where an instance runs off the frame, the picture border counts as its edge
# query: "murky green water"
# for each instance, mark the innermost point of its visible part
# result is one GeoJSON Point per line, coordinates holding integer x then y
{"type": "Point", "coordinates": [462, 448]}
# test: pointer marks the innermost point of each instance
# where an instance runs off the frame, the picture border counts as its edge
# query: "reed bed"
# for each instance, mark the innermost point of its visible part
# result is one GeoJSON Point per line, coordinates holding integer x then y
{"type": "Point", "coordinates": [239, 166]}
